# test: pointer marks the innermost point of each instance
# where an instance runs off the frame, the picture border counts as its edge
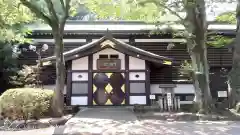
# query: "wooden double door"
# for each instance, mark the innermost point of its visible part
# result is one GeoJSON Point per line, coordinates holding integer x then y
{"type": "Point", "coordinates": [109, 88]}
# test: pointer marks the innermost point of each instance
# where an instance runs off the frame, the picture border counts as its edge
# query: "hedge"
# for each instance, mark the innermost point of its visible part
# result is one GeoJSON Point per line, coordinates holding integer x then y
{"type": "Point", "coordinates": [25, 103]}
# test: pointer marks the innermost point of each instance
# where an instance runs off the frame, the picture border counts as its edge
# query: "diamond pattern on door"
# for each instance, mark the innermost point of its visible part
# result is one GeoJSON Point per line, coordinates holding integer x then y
{"type": "Point", "coordinates": [108, 89]}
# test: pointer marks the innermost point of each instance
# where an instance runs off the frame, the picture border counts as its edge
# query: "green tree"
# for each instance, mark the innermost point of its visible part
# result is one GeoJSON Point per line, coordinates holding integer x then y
{"type": "Point", "coordinates": [8, 65]}
{"type": "Point", "coordinates": [55, 13]}
{"type": "Point", "coordinates": [12, 19]}
{"type": "Point", "coordinates": [189, 13]}
{"type": "Point", "coordinates": [227, 17]}
{"type": "Point", "coordinates": [234, 74]}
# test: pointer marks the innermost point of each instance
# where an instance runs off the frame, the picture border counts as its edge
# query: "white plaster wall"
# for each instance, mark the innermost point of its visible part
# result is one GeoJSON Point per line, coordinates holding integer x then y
{"type": "Point", "coordinates": [132, 76]}
{"type": "Point", "coordinates": [83, 100]}
{"type": "Point", "coordinates": [180, 89]}
{"type": "Point", "coordinates": [80, 64]}
{"type": "Point", "coordinates": [186, 102]}
{"type": "Point", "coordinates": [52, 87]}
{"type": "Point", "coordinates": [184, 89]}
{"type": "Point", "coordinates": [137, 100]}
{"type": "Point", "coordinates": [109, 51]}
{"type": "Point", "coordinates": [154, 88]}
{"type": "Point", "coordinates": [137, 64]}
{"type": "Point", "coordinates": [75, 76]}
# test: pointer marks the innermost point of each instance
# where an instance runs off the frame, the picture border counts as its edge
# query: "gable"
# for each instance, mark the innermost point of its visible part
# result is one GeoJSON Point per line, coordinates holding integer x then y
{"type": "Point", "coordinates": [110, 42]}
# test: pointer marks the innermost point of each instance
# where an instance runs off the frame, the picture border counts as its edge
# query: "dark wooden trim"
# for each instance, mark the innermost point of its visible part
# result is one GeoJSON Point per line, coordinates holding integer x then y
{"type": "Point", "coordinates": [140, 70]}
{"type": "Point", "coordinates": [109, 71]}
{"type": "Point", "coordinates": [101, 62]}
{"type": "Point", "coordinates": [147, 85]}
{"type": "Point", "coordinates": [184, 94]}
{"type": "Point", "coordinates": [79, 95]}
{"type": "Point", "coordinates": [92, 106]}
{"type": "Point", "coordinates": [137, 81]}
{"type": "Point", "coordinates": [88, 39]}
{"type": "Point", "coordinates": [69, 84]}
{"type": "Point", "coordinates": [79, 81]}
{"type": "Point", "coordinates": [132, 40]}
{"type": "Point", "coordinates": [127, 85]}
{"type": "Point", "coordinates": [79, 71]}
{"type": "Point", "coordinates": [137, 94]}
{"type": "Point", "coordinates": [90, 80]}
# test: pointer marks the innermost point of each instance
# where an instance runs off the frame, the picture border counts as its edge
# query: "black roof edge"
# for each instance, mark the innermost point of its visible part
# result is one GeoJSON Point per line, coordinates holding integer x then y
{"type": "Point", "coordinates": [127, 22]}
{"type": "Point", "coordinates": [130, 32]}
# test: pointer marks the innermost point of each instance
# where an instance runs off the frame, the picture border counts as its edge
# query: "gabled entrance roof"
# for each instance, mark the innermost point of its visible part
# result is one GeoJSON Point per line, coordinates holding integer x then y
{"type": "Point", "coordinates": [109, 42]}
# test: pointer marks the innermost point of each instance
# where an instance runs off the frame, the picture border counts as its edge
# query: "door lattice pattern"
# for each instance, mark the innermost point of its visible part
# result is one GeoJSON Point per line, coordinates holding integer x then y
{"type": "Point", "coordinates": [108, 89]}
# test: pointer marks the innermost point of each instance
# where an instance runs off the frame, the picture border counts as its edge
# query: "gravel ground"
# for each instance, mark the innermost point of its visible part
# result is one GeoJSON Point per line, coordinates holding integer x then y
{"type": "Point", "coordinates": [144, 127]}
{"type": "Point", "coordinates": [153, 127]}
{"type": "Point", "coordinates": [113, 121]}
{"type": "Point", "coordinates": [44, 131]}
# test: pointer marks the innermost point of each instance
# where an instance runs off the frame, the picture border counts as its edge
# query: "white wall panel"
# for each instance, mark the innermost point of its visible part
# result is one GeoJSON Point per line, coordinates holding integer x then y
{"type": "Point", "coordinates": [161, 40]}
{"type": "Point", "coordinates": [64, 40]}
{"type": "Point", "coordinates": [137, 76]}
{"type": "Point", "coordinates": [137, 100]}
{"type": "Point", "coordinates": [79, 76]}
{"type": "Point", "coordinates": [186, 102]}
{"type": "Point", "coordinates": [180, 89]}
{"type": "Point", "coordinates": [137, 64]}
{"type": "Point", "coordinates": [109, 51]}
{"type": "Point", "coordinates": [80, 64]}
{"type": "Point", "coordinates": [184, 89]}
{"type": "Point", "coordinates": [79, 100]}
{"type": "Point", "coordinates": [154, 89]}
{"type": "Point", "coordinates": [52, 87]}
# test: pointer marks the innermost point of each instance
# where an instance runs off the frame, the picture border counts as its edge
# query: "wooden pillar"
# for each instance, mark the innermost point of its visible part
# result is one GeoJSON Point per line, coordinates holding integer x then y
{"type": "Point", "coordinates": [69, 84]}
{"type": "Point", "coordinates": [90, 80]}
{"type": "Point", "coordinates": [127, 85]}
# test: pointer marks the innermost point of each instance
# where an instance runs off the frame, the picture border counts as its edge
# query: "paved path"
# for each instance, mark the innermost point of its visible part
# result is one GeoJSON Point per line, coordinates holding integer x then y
{"type": "Point", "coordinates": [114, 121]}
{"type": "Point", "coordinates": [97, 120]}
{"type": "Point", "coordinates": [120, 121]}
{"type": "Point", "coordinates": [149, 127]}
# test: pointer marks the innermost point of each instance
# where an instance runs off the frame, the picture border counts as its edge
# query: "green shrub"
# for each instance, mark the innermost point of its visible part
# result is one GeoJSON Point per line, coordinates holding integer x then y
{"type": "Point", "coordinates": [25, 103]}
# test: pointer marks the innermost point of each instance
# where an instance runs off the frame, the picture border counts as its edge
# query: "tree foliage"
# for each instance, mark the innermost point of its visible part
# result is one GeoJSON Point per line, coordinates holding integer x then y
{"type": "Point", "coordinates": [227, 17]}
{"type": "Point", "coordinates": [12, 18]}
{"type": "Point", "coordinates": [219, 41]}
{"type": "Point", "coordinates": [8, 65]}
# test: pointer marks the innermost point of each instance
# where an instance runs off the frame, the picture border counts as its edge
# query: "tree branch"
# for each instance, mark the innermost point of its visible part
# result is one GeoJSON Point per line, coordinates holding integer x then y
{"type": "Point", "coordinates": [66, 14]}
{"type": "Point", "coordinates": [67, 8]}
{"type": "Point", "coordinates": [37, 11]}
{"type": "Point", "coordinates": [52, 11]}
{"type": "Point", "coordinates": [63, 5]}
{"type": "Point", "coordinates": [157, 3]}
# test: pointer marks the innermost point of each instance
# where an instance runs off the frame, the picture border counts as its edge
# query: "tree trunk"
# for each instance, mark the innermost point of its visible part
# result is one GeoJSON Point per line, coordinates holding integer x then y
{"type": "Point", "coordinates": [58, 99]}
{"type": "Point", "coordinates": [234, 74]}
{"type": "Point", "coordinates": [201, 82]}
{"type": "Point", "coordinates": [197, 26]}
